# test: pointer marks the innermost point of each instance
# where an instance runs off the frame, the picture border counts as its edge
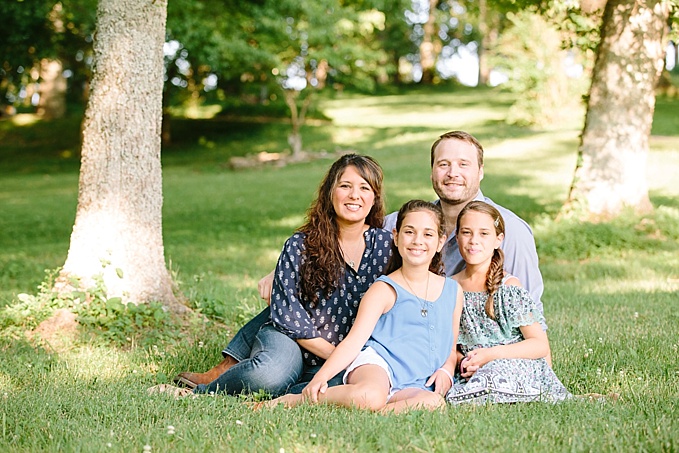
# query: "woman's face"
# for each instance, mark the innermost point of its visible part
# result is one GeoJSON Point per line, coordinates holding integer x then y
{"type": "Point", "coordinates": [352, 197]}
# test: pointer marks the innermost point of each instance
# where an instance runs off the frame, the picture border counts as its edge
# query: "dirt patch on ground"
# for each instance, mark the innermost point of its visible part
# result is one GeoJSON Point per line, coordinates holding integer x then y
{"type": "Point", "coordinates": [264, 159]}
{"type": "Point", "coordinates": [57, 332]}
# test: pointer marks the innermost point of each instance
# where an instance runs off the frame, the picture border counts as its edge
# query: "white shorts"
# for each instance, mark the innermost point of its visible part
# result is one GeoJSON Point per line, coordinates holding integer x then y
{"type": "Point", "coordinates": [368, 356]}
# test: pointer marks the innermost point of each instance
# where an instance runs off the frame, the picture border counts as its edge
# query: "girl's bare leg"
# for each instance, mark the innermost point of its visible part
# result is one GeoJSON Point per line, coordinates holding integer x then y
{"type": "Point", "coordinates": [367, 387]}
{"type": "Point", "coordinates": [413, 398]}
{"type": "Point", "coordinates": [288, 401]}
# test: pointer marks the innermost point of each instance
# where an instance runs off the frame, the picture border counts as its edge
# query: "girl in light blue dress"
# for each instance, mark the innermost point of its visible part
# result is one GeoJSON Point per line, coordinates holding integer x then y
{"type": "Point", "coordinates": [501, 338]}
{"type": "Point", "coordinates": [400, 352]}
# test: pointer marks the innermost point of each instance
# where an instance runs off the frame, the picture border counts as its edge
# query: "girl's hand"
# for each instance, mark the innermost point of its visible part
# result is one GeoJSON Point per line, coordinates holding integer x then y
{"type": "Point", "coordinates": [467, 370]}
{"type": "Point", "coordinates": [313, 389]}
{"type": "Point", "coordinates": [441, 380]}
{"type": "Point", "coordinates": [474, 360]}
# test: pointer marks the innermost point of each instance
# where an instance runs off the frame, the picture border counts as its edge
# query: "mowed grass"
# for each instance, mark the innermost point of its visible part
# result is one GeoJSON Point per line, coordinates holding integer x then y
{"type": "Point", "coordinates": [611, 290]}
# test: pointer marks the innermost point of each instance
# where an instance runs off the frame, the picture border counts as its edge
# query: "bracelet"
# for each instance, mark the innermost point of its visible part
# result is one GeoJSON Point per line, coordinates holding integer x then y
{"type": "Point", "coordinates": [448, 374]}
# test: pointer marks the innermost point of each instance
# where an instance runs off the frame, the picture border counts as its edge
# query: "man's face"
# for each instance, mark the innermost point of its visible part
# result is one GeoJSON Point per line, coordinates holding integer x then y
{"type": "Point", "coordinates": [456, 175]}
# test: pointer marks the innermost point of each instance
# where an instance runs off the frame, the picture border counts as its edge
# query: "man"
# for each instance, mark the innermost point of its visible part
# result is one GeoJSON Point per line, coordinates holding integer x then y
{"type": "Point", "coordinates": [456, 174]}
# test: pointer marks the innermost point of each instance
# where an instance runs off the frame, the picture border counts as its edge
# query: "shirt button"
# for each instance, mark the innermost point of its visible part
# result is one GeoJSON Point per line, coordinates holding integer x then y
{"type": "Point", "coordinates": [431, 327]}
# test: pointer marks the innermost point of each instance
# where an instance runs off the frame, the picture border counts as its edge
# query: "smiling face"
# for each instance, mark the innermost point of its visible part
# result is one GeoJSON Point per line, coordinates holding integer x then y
{"type": "Point", "coordinates": [455, 174]}
{"type": "Point", "coordinates": [477, 237]}
{"type": "Point", "coordinates": [418, 238]}
{"type": "Point", "coordinates": [352, 197]}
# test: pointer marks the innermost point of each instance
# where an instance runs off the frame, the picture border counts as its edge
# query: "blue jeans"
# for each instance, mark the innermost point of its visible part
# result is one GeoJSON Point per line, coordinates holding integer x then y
{"type": "Point", "coordinates": [267, 360]}
{"type": "Point", "coordinates": [308, 375]}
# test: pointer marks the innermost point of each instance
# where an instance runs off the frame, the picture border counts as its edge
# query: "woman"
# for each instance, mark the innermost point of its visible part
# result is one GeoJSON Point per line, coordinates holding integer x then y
{"type": "Point", "coordinates": [322, 272]}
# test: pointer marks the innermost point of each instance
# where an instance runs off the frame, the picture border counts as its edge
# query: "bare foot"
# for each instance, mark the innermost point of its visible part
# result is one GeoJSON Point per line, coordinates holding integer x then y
{"type": "Point", "coordinates": [288, 401]}
{"type": "Point", "coordinates": [600, 397]}
{"type": "Point", "coordinates": [171, 390]}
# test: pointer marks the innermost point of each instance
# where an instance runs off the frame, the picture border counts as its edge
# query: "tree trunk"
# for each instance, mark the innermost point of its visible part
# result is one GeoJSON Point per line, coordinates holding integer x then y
{"type": "Point", "coordinates": [52, 104]}
{"type": "Point", "coordinates": [118, 224]}
{"type": "Point", "coordinates": [484, 43]}
{"type": "Point", "coordinates": [297, 118]}
{"type": "Point", "coordinates": [611, 170]}
{"type": "Point", "coordinates": [427, 48]}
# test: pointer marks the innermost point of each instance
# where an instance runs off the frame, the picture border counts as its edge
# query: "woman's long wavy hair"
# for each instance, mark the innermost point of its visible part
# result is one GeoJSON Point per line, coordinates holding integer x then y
{"type": "Point", "coordinates": [396, 260]}
{"type": "Point", "coordinates": [322, 261]}
{"type": "Point", "coordinates": [496, 270]}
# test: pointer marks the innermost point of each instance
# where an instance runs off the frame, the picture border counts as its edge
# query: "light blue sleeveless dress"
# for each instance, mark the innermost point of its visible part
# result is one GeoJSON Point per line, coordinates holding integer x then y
{"type": "Point", "coordinates": [415, 338]}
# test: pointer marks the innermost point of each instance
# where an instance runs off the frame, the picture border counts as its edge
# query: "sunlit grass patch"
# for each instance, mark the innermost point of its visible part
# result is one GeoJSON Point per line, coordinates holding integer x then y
{"type": "Point", "coordinates": [610, 292]}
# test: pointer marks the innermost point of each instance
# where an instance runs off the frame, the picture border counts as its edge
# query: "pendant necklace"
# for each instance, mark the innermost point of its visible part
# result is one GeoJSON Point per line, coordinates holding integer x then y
{"type": "Point", "coordinates": [348, 259]}
{"type": "Point", "coordinates": [423, 302]}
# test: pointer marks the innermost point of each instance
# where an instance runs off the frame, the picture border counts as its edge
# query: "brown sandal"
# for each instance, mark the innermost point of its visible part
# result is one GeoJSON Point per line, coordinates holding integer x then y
{"type": "Point", "coordinates": [183, 381]}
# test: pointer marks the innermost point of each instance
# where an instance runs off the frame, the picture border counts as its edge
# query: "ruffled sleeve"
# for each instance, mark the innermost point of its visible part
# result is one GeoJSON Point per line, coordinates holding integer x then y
{"type": "Point", "coordinates": [287, 307]}
{"type": "Point", "coordinates": [515, 307]}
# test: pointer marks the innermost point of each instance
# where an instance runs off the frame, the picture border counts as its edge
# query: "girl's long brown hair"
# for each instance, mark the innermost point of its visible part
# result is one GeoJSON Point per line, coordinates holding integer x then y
{"type": "Point", "coordinates": [496, 270]}
{"type": "Point", "coordinates": [322, 261]}
{"type": "Point", "coordinates": [396, 260]}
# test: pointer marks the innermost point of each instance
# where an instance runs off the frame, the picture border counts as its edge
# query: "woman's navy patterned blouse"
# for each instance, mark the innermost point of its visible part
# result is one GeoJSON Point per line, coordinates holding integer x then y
{"type": "Point", "coordinates": [333, 316]}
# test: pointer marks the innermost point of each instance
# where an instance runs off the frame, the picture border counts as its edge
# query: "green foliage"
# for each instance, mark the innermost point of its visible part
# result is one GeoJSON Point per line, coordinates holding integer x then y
{"type": "Point", "coordinates": [30, 310]}
{"type": "Point", "coordinates": [99, 316]}
{"type": "Point", "coordinates": [118, 322]}
{"type": "Point", "coordinates": [36, 29]}
{"type": "Point", "coordinates": [24, 38]}
{"type": "Point", "coordinates": [536, 70]}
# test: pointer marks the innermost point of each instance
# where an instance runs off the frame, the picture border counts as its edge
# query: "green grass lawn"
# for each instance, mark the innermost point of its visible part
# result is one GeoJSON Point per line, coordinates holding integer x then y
{"type": "Point", "coordinates": [611, 290]}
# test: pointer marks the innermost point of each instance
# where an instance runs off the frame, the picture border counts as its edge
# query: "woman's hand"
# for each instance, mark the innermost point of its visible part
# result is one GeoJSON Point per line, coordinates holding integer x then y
{"type": "Point", "coordinates": [441, 380]}
{"type": "Point", "coordinates": [314, 389]}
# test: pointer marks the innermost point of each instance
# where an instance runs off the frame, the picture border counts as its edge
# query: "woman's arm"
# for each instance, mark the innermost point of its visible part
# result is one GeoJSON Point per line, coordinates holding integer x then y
{"type": "Point", "coordinates": [377, 300]}
{"type": "Point", "coordinates": [288, 313]}
{"type": "Point", "coordinates": [317, 346]}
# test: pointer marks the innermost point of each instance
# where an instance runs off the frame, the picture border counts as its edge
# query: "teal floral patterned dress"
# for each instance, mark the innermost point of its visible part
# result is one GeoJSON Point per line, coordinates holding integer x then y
{"type": "Point", "coordinates": [503, 380]}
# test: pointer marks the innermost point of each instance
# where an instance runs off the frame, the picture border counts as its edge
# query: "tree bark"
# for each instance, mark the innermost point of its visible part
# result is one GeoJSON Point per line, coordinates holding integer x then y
{"type": "Point", "coordinates": [118, 224]}
{"type": "Point", "coordinates": [611, 171]}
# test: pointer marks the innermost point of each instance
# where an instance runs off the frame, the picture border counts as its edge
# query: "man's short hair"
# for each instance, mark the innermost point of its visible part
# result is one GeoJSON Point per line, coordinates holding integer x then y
{"type": "Point", "coordinates": [459, 135]}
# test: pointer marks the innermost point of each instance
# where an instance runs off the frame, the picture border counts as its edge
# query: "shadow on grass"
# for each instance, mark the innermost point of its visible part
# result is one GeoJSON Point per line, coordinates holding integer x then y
{"type": "Point", "coordinates": [661, 200]}
{"type": "Point", "coordinates": [629, 247]}
{"type": "Point", "coordinates": [40, 146]}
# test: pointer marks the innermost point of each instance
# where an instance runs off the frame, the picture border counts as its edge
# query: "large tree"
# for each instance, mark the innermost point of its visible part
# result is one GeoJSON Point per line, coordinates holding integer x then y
{"type": "Point", "coordinates": [611, 169]}
{"type": "Point", "coordinates": [118, 227]}
{"type": "Point", "coordinates": [430, 45]}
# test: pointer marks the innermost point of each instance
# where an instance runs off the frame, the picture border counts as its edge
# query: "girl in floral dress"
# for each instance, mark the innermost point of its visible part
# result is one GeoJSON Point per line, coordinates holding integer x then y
{"type": "Point", "coordinates": [501, 340]}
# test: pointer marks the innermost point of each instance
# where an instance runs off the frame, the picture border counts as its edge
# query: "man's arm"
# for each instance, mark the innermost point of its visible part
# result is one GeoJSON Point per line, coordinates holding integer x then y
{"type": "Point", "coordinates": [521, 257]}
{"type": "Point", "coordinates": [265, 285]}
{"type": "Point", "coordinates": [521, 260]}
